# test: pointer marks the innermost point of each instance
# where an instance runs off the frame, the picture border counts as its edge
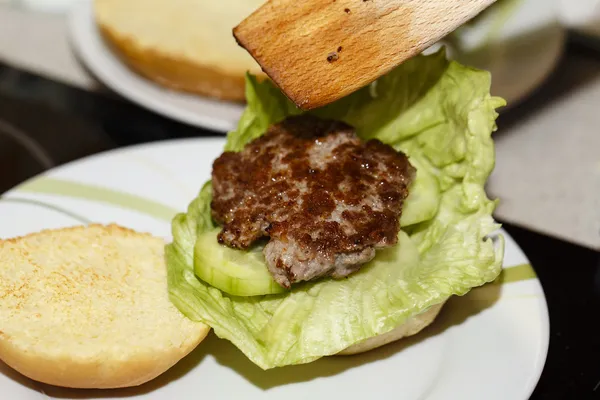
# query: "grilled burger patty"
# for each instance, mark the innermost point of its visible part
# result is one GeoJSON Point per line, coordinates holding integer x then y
{"type": "Point", "coordinates": [325, 198]}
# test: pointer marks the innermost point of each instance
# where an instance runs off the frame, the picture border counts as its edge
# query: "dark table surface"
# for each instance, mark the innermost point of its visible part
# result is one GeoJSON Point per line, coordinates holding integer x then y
{"type": "Point", "coordinates": [45, 123]}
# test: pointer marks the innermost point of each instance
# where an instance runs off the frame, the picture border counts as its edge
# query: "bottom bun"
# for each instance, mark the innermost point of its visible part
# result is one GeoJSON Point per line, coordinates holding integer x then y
{"type": "Point", "coordinates": [411, 327]}
{"type": "Point", "coordinates": [88, 307]}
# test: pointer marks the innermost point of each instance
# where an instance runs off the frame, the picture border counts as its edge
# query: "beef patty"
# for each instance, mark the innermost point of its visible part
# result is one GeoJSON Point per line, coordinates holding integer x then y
{"type": "Point", "coordinates": [325, 198]}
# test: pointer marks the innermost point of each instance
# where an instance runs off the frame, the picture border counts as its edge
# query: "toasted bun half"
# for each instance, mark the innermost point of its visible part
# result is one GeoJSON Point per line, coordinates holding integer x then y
{"type": "Point", "coordinates": [185, 45]}
{"type": "Point", "coordinates": [88, 307]}
{"type": "Point", "coordinates": [411, 327]}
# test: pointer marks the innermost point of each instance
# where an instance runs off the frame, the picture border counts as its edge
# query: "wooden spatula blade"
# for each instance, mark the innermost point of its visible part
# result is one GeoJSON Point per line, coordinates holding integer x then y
{"type": "Point", "coordinates": [318, 51]}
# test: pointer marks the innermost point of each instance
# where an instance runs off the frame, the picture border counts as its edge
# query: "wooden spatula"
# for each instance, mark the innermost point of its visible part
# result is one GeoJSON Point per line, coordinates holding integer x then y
{"type": "Point", "coordinates": [318, 51]}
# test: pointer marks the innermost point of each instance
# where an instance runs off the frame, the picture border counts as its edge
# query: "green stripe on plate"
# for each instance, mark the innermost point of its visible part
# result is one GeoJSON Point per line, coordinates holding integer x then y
{"type": "Point", "coordinates": [517, 273]}
{"type": "Point", "coordinates": [95, 193]}
{"type": "Point", "coordinates": [47, 206]}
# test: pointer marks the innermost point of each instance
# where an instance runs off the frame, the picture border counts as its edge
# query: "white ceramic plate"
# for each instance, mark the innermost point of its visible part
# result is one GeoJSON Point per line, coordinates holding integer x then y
{"type": "Point", "coordinates": [490, 344]}
{"type": "Point", "coordinates": [523, 53]}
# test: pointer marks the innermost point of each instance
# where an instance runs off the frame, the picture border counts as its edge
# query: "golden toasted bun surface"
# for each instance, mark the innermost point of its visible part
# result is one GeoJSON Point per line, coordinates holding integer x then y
{"type": "Point", "coordinates": [88, 307]}
{"type": "Point", "coordinates": [185, 45]}
{"type": "Point", "coordinates": [411, 327]}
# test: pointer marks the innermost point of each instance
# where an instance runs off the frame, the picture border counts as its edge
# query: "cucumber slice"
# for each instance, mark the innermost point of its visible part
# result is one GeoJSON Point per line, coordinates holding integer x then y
{"type": "Point", "coordinates": [236, 272]}
{"type": "Point", "coordinates": [423, 198]}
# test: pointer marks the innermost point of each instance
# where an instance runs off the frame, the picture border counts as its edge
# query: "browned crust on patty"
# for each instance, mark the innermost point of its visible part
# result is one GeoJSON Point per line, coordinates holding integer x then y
{"type": "Point", "coordinates": [325, 198]}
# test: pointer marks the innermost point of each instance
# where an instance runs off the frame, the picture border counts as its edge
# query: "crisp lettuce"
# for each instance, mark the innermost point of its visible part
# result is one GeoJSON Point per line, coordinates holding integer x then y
{"type": "Point", "coordinates": [441, 115]}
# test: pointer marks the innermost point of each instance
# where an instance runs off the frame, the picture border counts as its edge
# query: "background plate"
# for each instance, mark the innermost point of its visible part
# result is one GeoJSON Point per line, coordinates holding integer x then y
{"type": "Point", "coordinates": [520, 43]}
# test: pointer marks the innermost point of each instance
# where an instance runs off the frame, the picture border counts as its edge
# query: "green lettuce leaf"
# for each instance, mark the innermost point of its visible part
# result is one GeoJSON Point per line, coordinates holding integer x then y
{"type": "Point", "coordinates": [441, 115]}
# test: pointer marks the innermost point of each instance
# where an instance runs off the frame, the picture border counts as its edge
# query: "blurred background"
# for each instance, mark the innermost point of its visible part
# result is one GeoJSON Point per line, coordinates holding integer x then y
{"type": "Point", "coordinates": [76, 80]}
